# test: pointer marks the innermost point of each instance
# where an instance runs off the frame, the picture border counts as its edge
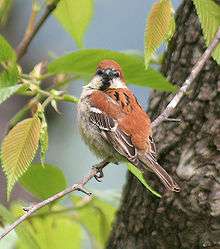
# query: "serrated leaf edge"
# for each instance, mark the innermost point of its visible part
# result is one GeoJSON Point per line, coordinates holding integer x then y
{"type": "Point", "coordinates": [11, 179]}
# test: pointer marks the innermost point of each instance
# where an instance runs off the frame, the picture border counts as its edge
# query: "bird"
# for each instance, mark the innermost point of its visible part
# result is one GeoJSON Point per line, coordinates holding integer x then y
{"type": "Point", "coordinates": [115, 126]}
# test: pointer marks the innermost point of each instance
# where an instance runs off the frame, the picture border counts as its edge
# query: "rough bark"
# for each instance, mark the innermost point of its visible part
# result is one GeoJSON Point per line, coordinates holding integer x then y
{"type": "Point", "coordinates": [189, 150]}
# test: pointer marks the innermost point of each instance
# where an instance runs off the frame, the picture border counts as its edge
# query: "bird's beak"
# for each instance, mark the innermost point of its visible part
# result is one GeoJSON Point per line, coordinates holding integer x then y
{"type": "Point", "coordinates": [107, 75]}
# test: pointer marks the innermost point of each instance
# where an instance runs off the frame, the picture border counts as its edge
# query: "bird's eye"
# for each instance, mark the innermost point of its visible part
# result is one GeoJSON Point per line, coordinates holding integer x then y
{"type": "Point", "coordinates": [99, 72]}
{"type": "Point", "coordinates": [116, 74]}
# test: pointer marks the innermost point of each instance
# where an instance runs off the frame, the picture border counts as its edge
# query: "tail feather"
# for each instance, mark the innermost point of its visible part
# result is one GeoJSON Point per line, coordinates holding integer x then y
{"type": "Point", "coordinates": [147, 161]}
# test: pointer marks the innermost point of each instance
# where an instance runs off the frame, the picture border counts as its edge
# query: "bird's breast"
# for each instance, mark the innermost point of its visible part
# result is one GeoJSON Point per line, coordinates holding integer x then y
{"type": "Point", "coordinates": [90, 133]}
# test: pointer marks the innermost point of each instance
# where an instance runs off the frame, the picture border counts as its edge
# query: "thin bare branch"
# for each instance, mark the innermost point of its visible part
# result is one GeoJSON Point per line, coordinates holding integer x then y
{"type": "Point", "coordinates": [186, 85]}
{"type": "Point", "coordinates": [172, 119]}
{"type": "Point", "coordinates": [76, 187]}
{"type": "Point", "coordinates": [33, 28]}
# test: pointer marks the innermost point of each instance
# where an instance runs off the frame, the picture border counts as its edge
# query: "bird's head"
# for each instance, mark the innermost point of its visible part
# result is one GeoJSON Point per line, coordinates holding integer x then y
{"type": "Point", "coordinates": [108, 75]}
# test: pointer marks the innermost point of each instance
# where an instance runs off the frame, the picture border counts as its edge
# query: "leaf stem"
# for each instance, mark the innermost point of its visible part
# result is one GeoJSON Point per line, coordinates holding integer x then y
{"type": "Point", "coordinates": [40, 97]}
{"type": "Point", "coordinates": [69, 98]}
{"type": "Point", "coordinates": [46, 102]}
{"type": "Point", "coordinates": [23, 112]}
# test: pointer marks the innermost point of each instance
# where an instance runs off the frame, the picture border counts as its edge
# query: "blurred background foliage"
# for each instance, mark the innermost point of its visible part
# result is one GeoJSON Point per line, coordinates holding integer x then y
{"type": "Point", "coordinates": [69, 40]}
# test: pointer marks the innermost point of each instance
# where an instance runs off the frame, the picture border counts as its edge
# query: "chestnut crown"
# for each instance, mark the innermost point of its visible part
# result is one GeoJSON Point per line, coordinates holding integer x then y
{"type": "Point", "coordinates": [111, 69]}
{"type": "Point", "coordinates": [109, 75]}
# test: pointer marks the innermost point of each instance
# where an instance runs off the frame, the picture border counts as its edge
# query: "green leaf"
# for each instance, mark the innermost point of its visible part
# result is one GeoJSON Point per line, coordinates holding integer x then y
{"type": "Point", "coordinates": [43, 182]}
{"type": "Point", "coordinates": [43, 139]}
{"type": "Point", "coordinates": [51, 231]}
{"type": "Point", "coordinates": [107, 214]}
{"type": "Point", "coordinates": [6, 51]}
{"type": "Point", "coordinates": [6, 215]}
{"type": "Point", "coordinates": [19, 148]}
{"type": "Point", "coordinates": [159, 28]}
{"type": "Point", "coordinates": [5, 7]}
{"type": "Point", "coordinates": [209, 16]}
{"type": "Point", "coordinates": [44, 232]}
{"type": "Point", "coordinates": [97, 217]}
{"type": "Point", "coordinates": [75, 17]}
{"type": "Point", "coordinates": [9, 77]}
{"type": "Point", "coordinates": [43, 144]}
{"type": "Point", "coordinates": [9, 241]}
{"type": "Point", "coordinates": [61, 232]}
{"type": "Point", "coordinates": [84, 62]}
{"type": "Point", "coordinates": [8, 81]}
{"type": "Point", "coordinates": [136, 172]}
{"type": "Point", "coordinates": [6, 92]}
{"type": "Point", "coordinates": [21, 230]}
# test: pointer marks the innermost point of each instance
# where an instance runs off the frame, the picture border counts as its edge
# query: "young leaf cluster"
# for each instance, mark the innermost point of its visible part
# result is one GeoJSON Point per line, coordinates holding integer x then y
{"type": "Point", "coordinates": [160, 27]}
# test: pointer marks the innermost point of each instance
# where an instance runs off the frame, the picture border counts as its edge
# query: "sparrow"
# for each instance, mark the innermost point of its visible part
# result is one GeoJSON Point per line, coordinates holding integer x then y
{"type": "Point", "coordinates": [114, 125]}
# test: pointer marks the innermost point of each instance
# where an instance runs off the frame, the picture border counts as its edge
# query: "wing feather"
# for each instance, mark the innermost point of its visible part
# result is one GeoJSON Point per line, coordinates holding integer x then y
{"type": "Point", "coordinates": [119, 139]}
{"type": "Point", "coordinates": [122, 143]}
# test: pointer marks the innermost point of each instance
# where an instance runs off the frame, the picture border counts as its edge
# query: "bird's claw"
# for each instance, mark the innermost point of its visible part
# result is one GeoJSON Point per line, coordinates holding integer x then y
{"type": "Point", "coordinates": [99, 169]}
{"type": "Point", "coordinates": [99, 173]}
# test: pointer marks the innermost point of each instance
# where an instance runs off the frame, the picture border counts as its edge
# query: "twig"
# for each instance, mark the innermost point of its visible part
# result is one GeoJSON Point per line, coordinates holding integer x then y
{"type": "Point", "coordinates": [76, 187]}
{"type": "Point", "coordinates": [32, 29]}
{"type": "Point", "coordinates": [173, 119]}
{"type": "Point", "coordinates": [81, 204]}
{"type": "Point", "coordinates": [194, 73]}
{"type": "Point", "coordinates": [25, 110]}
{"type": "Point", "coordinates": [29, 29]}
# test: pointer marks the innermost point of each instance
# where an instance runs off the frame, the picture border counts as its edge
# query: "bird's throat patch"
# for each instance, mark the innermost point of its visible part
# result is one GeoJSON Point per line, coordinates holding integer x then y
{"type": "Point", "coordinates": [105, 85]}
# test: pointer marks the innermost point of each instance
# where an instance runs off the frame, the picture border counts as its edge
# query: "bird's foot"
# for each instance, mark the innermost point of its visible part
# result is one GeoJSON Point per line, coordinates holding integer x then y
{"type": "Point", "coordinates": [99, 175]}
{"type": "Point", "coordinates": [99, 168]}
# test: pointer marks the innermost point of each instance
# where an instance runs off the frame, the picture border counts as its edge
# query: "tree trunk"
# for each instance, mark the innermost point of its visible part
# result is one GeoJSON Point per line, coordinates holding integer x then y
{"type": "Point", "coordinates": [189, 150]}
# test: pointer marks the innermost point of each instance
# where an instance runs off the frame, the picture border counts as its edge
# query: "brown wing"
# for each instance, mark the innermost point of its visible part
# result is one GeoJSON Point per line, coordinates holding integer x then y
{"type": "Point", "coordinates": [122, 106]}
{"type": "Point", "coordinates": [113, 134]}
{"type": "Point", "coordinates": [122, 143]}
{"type": "Point", "coordinates": [127, 128]}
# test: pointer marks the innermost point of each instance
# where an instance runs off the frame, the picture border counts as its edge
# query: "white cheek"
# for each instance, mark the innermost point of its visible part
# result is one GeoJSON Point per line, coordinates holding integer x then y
{"type": "Point", "coordinates": [95, 83]}
{"type": "Point", "coordinates": [117, 83]}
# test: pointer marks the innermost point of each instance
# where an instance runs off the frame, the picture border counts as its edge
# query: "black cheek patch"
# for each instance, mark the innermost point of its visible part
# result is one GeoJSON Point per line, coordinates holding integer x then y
{"type": "Point", "coordinates": [105, 85]}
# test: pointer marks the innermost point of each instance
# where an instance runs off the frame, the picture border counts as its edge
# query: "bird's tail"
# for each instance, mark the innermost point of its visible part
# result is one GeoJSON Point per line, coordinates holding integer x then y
{"type": "Point", "coordinates": [147, 161]}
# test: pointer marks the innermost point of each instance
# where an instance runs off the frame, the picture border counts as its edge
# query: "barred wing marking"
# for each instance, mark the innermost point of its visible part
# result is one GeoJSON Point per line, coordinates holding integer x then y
{"type": "Point", "coordinates": [109, 129]}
